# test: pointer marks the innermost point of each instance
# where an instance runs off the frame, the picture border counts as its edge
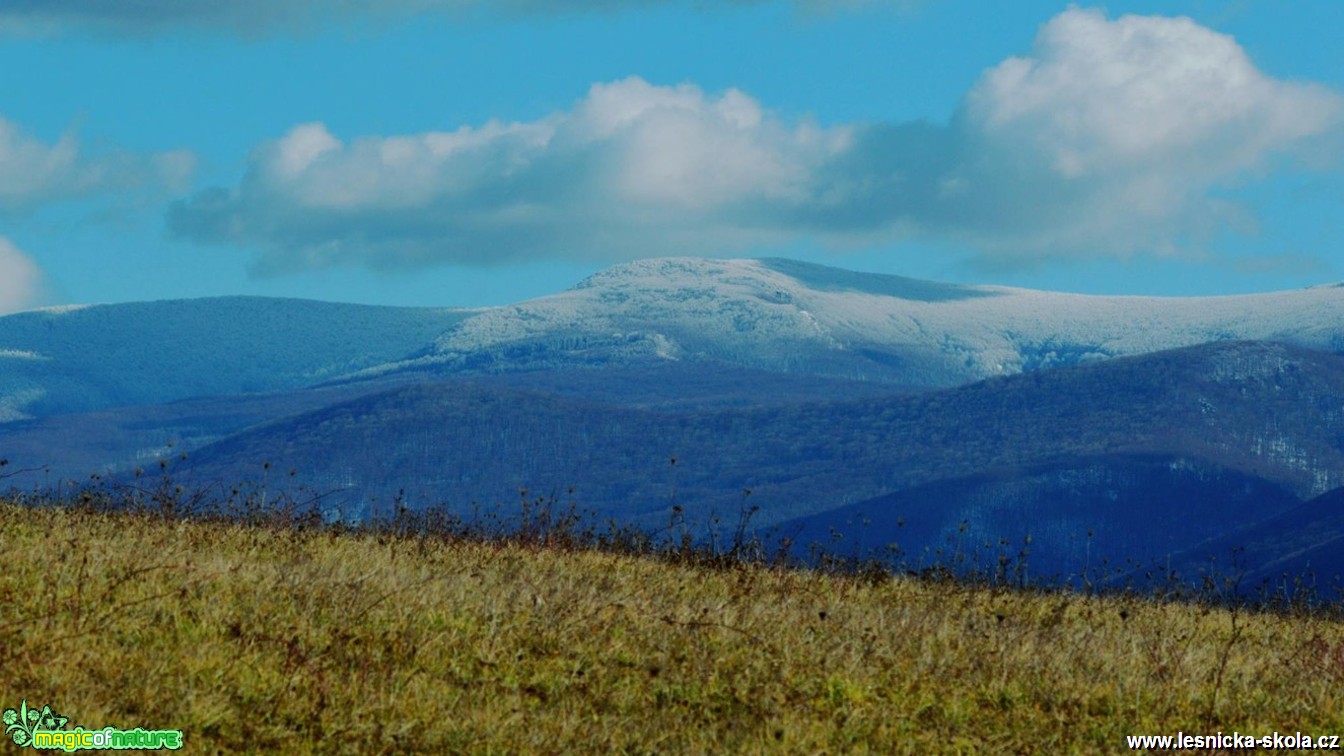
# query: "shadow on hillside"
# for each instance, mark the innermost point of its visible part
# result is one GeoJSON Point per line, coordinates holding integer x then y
{"type": "Point", "coordinates": [554, 523]}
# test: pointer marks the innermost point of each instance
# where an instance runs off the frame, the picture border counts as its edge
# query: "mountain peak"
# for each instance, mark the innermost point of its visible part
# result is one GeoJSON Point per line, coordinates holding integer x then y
{"type": "Point", "coordinates": [771, 273]}
{"type": "Point", "coordinates": [664, 270]}
{"type": "Point", "coordinates": [793, 316]}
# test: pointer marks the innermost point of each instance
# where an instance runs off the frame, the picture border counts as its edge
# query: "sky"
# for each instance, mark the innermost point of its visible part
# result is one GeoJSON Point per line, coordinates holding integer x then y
{"type": "Point", "coordinates": [471, 153]}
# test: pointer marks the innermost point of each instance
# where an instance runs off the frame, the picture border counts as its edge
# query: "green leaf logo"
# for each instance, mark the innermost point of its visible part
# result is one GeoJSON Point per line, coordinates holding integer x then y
{"type": "Point", "coordinates": [21, 723]}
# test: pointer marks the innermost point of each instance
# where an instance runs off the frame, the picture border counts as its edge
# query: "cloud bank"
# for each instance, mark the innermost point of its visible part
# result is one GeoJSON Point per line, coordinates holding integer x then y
{"type": "Point", "coordinates": [33, 172]}
{"type": "Point", "coordinates": [1112, 137]}
{"type": "Point", "coordinates": [20, 279]}
{"type": "Point", "coordinates": [632, 169]}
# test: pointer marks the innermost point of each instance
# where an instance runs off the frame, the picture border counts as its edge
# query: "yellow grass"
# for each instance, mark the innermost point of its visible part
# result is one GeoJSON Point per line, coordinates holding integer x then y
{"type": "Point", "coordinates": [261, 639]}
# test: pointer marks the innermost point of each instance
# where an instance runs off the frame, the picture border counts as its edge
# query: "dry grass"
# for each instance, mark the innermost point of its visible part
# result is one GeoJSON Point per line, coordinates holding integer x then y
{"type": "Point", "coordinates": [268, 639]}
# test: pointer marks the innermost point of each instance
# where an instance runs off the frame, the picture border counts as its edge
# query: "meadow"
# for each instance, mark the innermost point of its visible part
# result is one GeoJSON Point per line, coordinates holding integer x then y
{"type": "Point", "coordinates": [266, 636]}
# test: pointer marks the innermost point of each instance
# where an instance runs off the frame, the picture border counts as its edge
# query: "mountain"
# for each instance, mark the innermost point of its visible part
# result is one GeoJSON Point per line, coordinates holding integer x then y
{"type": "Point", "coordinates": [1154, 453]}
{"type": "Point", "coordinates": [1303, 542]}
{"type": "Point", "coordinates": [83, 358]}
{"type": "Point", "coordinates": [714, 320]}
{"type": "Point", "coordinates": [1161, 425]}
{"type": "Point", "coordinates": [1105, 517]}
{"type": "Point", "coordinates": [795, 317]}
{"type": "Point", "coordinates": [65, 449]}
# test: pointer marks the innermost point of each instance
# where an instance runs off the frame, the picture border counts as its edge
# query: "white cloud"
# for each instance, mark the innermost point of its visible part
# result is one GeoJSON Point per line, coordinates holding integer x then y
{"type": "Point", "coordinates": [1126, 125]}
{"type": "Point", "coordinates": [1112, 137]}
{"type": "Point", "coordinates": [20, 279]}
{"type": "Point", "coordinates": [33, 171]}
{"type": "Point", "coordinates": [631, 166]}
{"type": "Point", "coordinates": [677, 148]}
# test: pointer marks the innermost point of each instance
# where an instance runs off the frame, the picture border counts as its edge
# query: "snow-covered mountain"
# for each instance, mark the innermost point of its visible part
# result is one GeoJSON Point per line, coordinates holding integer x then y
{"type": "Point", "coordinates": [789, 379]}
{"type": "Point", "coordinates": [785, 315]}
{"type": "Point", "coordinates": [773, 317]}
{"type": "Point", "coordinates": [76, 359]}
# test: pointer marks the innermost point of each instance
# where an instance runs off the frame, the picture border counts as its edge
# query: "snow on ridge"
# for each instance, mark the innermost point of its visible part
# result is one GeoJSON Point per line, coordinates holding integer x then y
{"type": "Point", "coordinates": [13, 404]}
{"type": "Point", "coordinates": [59, 309]}
{"type": "Point", "coordinates": [22, 354]}
{"type": "Point", "coordinates": [782, 312]}
{"type": "Point", "coordinates": [643, 299]}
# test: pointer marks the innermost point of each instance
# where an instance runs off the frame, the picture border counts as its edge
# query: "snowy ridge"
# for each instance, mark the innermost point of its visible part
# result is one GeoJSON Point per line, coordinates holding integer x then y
{"type": "Point", "coordinates": [788, 315]}
{"type": "Point", "coordinates": [777, 315]}
{"type": "Point", "coordinates": [59, 309]}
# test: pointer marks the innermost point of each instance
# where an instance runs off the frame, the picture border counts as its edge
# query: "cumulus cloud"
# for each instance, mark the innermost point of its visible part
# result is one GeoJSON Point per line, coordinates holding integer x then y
{"type": "Point", "coordinates": [632, 167]}
{"type": "Point", "coordinates": [1112, 137]}
{"type": "Point", "coordinates": [20, 279]}
{"type": "Point", "coordinates": [1123, 128]}
{"type": "Point", "coordinates": [33, 171]}
{"type": "Point", "coordinates": [252, 16]}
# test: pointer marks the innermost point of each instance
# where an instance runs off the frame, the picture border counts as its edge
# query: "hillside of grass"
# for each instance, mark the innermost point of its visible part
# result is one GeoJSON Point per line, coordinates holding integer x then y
{"type": "Point", "coordinates": [283, 639]}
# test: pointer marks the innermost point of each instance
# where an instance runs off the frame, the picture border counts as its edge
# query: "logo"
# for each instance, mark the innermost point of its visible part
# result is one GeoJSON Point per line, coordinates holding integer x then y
{"type": "Point", "coordinates": [45, 730]}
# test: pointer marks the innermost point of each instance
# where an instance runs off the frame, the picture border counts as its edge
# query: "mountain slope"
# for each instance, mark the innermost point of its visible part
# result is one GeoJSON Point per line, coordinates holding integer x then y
{"type": "Point", "coordinates": [78, 359]}
{"type": "Point", "coordinates": [71, 446]}
{"type": "Point", "coordinates": [65, 449]}
{"type": "Point", "coordinates": [1180, 447]}
{"type": "Point", "coordinates": [1306, 540]}
{"type": "Point", "coordinates": [785, 315]}
{"type": "Point", "coordinates": [778, 316]}
{"type": "Point", "coordinates": [1064, 518]}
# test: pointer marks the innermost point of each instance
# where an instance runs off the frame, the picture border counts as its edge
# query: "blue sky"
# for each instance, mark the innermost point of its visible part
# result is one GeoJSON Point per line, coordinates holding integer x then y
{"type": "Point", "coordinates": [454, 152]}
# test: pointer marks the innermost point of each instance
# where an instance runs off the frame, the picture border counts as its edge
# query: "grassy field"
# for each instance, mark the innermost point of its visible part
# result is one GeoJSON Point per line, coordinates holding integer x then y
{"type": "Point", "coordinates": [253, 638]}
